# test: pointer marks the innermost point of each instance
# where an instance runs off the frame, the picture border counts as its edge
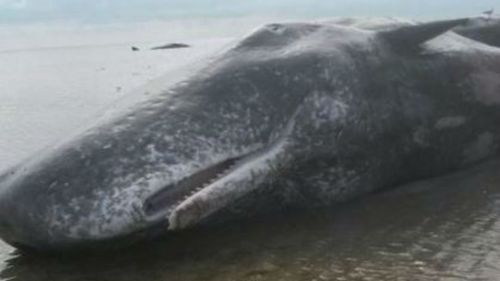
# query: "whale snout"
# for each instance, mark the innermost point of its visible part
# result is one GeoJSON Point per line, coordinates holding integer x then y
{"type": "Point", "coordinates": [65, 200]}
{"type": "Point", "coordinates": [47, 207]}
{"type": "Point", "coordinates": [21, 216]}
{"type": "Point", "coordinates": [40, 213]}
{"type": "Point", "coordinates": [8, 231]}
{"type": "Point", "coordinates": [17, 224]}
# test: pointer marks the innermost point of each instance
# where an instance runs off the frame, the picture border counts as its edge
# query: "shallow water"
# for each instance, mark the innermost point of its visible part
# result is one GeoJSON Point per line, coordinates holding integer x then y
{"type": "Point", "coordinates": [47, 94]}
{"type": "Point", "coordinates": [442, 229]}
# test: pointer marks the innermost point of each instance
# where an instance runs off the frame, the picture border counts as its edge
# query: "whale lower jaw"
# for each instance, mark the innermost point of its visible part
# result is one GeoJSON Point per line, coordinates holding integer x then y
{"type": "Point", "coordinates": [211, 189]}
{"type": "Point", "coordinates": [241, 180]}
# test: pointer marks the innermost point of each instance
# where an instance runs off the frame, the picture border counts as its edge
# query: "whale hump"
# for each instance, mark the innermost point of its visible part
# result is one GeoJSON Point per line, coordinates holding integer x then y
{"type": "Point", "coordinates": [410, 37]}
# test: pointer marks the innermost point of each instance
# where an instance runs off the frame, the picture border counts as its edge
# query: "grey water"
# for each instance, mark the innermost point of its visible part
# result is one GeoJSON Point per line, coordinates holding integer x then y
{"type": "Point", "coordinates": [446, 228]}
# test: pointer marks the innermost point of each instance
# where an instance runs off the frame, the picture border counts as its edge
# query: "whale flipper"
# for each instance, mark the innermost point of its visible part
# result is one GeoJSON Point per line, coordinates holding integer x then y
{"type": "Point", "coordinates": [411, 37]}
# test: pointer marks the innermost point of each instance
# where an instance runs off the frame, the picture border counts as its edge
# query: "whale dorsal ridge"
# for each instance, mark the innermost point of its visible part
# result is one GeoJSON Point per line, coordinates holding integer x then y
{"type": "Point", "coordinates": [411, 37]}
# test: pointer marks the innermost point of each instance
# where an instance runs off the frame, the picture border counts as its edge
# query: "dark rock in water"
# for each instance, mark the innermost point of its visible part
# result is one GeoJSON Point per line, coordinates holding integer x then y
{"type": "Point", "coordinates": [171, 46]}
{"type": "Point", "coordinates": [135, 49]}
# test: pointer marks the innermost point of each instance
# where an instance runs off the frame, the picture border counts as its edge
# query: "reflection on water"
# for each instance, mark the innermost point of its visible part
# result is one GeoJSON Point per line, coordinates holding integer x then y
{"type": "Point", "coordinates": [447, 229]}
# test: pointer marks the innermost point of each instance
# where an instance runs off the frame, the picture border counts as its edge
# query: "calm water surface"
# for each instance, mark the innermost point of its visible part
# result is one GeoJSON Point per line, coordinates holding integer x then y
{"type": "Point", "coordinates": [442, 229]}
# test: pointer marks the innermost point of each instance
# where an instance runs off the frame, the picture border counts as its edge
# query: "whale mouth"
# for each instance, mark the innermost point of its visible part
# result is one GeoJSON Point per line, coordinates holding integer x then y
{"type": "Point", "coordinates": [203, 193]}
{"type": "Point", "coordinates": [162, 202]}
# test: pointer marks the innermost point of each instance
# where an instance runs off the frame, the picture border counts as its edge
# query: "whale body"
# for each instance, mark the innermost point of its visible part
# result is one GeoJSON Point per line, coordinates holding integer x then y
{"type": "Point", "coordinates": [295, 115]}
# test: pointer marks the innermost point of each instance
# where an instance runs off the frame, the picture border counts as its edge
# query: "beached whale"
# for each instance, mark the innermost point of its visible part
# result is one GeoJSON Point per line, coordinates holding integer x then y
{"type": "Point", "coordinates": [295, 115]}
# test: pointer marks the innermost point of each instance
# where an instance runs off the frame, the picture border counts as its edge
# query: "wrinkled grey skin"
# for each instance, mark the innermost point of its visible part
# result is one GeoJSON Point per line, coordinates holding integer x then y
{"type": "Point", "coordinates": [312, 114]}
